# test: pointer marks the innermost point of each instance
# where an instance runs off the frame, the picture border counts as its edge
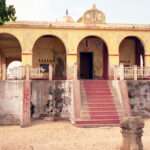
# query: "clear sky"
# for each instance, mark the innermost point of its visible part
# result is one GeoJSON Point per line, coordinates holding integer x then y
{"type": "Point", "coordinates": [116, 11]}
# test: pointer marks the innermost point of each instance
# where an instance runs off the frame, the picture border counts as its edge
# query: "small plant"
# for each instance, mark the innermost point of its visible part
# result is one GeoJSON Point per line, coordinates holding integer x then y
{"type": "Point", "coordinates": [55, 102]}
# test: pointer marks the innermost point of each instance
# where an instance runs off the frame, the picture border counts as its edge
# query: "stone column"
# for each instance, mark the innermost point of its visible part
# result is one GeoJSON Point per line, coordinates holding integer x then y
{"type": "Point", "coordinates": [132, 130]}
{"type": "Point", "coordinates": [50, 74]}
{"type": "Point", "coordinates": [27, 58]}
{"type": "Point", "coordinates": [113, 61]}
{"type": "Point", "coordinates": [4, 69]}
{"type": "Point", "coordinates": [147, 60]}
{"type": "Point", "coordinates": [71, 64]}
{"type": "Point", "coordinates": [147, 52]}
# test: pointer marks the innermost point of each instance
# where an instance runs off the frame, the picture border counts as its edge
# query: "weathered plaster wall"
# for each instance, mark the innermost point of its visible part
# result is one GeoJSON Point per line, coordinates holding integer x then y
{"type": "Point", "coordinates": [139, 97]}
{"type": "Point", "coordinates": [11, 97]}
{"type": "Point", "coordinates": [45, 96]}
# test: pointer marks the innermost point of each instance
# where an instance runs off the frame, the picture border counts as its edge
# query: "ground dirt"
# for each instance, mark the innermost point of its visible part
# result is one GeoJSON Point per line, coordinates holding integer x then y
{"type": "Point", "coordinates": [44, 135]}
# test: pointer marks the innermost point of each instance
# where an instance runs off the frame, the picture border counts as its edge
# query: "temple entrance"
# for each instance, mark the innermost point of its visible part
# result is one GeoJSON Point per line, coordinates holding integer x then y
{"type": "Point", "coordinates": [131, 52]}
{"type": "Point", "coordinates": [86, 65]}
{"type": "Point", "coordinates": [92, 58]}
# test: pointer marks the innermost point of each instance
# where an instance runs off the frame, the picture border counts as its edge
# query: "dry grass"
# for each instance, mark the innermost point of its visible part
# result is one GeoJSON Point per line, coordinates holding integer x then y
{"type": "Point", "coordinates": [64, 136]}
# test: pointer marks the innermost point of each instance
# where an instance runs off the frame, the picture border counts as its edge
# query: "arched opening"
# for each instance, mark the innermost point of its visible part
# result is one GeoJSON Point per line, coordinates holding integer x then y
{"type": "Point", "coordinates": [13, 70]}
{"type": "Point", "coordinates": [92, 58]}
{"type": "Point", "coordinates": [50, 50]}
{"type": "Point", "coordinates": [131, 52]}
{"type": "Point", "coordinates": [10, 50]}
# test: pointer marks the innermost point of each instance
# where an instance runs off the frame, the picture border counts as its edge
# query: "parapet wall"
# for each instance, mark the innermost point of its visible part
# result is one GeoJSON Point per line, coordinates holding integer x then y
{"type": "Point", "coordinates": [49, 97]}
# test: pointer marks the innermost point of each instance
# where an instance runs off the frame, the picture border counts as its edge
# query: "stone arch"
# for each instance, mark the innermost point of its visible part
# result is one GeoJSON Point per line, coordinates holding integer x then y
{"type": "Point", "coordinates": [97, 47]}
{"type": "Point", "coordinates": [10, 50]}
{"type": "Point", "coordinates": [36, 37]}
{"type": "Point", "coordinates": [12, 67]}
{"type": "Point", "coordinates": [131, 51]}
{"type": "Point", "coordinates": [49, 49]}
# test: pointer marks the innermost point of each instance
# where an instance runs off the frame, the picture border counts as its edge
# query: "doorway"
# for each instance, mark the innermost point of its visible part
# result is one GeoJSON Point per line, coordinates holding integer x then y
{"type": "Point", "coordinates": [86, 65]}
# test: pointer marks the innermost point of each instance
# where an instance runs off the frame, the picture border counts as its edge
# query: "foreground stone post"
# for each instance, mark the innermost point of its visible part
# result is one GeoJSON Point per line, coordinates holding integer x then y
{"type": "Point", "coordinates": [132, 130]}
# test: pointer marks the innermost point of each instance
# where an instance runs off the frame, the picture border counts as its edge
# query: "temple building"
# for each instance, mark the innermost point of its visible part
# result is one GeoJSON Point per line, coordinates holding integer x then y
{"type": "Point", "coordinates": [89, 52]}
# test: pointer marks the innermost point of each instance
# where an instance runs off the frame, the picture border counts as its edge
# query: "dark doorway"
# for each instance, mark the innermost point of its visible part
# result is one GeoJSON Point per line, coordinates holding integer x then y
{"type": "Point", "coordinates": [86, 65]}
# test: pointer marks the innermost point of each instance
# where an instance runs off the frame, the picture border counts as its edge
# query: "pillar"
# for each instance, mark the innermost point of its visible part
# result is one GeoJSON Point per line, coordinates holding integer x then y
{"type": "Point", "coordinates": [71, 64]}
{"type": "Point", "coordinates": [50, 74]}
{"type": "Point", "coordinates": [147, 53]}
{"type": "Point", "coordinates": [113, 61]}
{"type": "Point", "coordinates": [26, 105]}
{"type": "Point", "coordinates": [27, 58]}
{"type": "Point", "coordinates": [147, 60]}
{"type": "Point", "coordinates": [4, 69]}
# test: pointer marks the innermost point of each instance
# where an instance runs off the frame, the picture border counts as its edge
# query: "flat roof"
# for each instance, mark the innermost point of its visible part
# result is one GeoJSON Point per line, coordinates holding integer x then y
{"type": "Point", "coordinates": [76, 25]}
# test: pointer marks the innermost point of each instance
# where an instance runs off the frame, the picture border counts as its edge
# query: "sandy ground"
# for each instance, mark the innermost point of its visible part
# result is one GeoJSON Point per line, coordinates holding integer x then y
{"type": "Point", "coordinates": [64, 136]}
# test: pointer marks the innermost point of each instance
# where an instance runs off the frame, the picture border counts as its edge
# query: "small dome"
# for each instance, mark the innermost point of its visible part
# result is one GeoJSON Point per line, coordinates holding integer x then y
{"type": "Point", "coordinates": [68, 19]}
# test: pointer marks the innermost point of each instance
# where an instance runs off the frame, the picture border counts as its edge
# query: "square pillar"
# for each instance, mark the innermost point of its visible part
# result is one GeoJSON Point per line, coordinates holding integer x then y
{"type": "Point", "coordinates": [113, 61]}
{"type": "Point", "coordinates": [71, 66]}
{"type": "Point", "coordinates": [27, 58]}
{"type": "Point", "coordinates": [147, 60]}
{"type": "Point", "coordinates": [3, 69]}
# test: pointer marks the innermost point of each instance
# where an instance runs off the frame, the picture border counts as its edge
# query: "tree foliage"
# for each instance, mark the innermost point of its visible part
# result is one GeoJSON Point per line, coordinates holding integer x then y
{"type": "Point", "coordinates": [7, 13]}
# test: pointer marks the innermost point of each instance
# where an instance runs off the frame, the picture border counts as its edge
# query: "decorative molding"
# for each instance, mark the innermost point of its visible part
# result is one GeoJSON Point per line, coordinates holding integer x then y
{"type": "Point", "coordinates": [147, 55]}
{"type": "Point", "coordinates": [72, 54]}
{"type": "Point", "coordinates": [28, 53]}
{"type": "Point", "coordinates": [58, 25]}
{"type": "Point", "coordinates": [113, 54]}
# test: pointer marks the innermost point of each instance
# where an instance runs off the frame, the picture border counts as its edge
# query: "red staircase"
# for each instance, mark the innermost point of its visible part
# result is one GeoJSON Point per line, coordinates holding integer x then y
{"type": "Point", "coordinates": [97, 107]}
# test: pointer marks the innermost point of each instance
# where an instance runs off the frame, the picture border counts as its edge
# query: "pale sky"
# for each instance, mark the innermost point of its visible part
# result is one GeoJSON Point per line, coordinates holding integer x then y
{"type": "Point", "coordinates": [116, 11]}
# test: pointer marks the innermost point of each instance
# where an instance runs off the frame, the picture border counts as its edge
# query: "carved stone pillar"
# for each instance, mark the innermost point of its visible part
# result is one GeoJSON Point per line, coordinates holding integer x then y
{"type": "Point", "coordinates": [132, 130]}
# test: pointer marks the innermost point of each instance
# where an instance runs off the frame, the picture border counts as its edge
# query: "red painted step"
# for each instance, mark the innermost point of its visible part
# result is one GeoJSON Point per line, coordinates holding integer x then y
{"type": "Point", "coordinates": [102, 121]}
{"type": "Point", "coordinates": [98, 104]}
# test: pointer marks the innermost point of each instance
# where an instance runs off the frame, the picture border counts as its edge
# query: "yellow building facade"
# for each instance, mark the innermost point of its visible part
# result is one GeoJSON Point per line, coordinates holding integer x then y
{"type": "Point", "coordinates": [91, 44]}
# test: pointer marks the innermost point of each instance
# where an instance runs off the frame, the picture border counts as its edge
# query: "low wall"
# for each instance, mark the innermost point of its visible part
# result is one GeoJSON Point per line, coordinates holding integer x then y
{"type": "Point", "coordinates": [139, 97]}
{"type": "Point", "coordinates": [50, 97]}
{"type": "Point", "coordinates": [11, 96]}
